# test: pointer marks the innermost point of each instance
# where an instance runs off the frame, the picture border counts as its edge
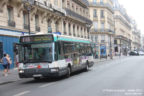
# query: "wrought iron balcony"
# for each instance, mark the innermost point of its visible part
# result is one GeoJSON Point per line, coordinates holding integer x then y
{"type": "Point", "coordinates": [102, 30]}
{"type": "Point", "coordinates": [100, 4]}
{"type": "Point", "coordinates": [56, 8]}
{"type": "Point", "coordinates": [77, 16]}
{"type": "Point", "coordinates": [11, 23]}
{"type": "Point", "coordinates": [102, 41]}
{"type": "Point", "coordinates": [26, 26]}
{"type": "Point", "coordinates": [37, 28]}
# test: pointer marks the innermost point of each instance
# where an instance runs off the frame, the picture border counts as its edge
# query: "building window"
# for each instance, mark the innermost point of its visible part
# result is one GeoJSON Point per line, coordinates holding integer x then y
{"type": "Point", "coordinates": [37, 28]}
{"type": "Point", "coordinates": [1, 50]}
{"type": "Point", "coordinates": [56, 26]}
{"type": "Point", "coordinates": [69, 29]}
{"type": "Point", "coordinates": [84, 12]}
{"type": "Point", "coordinates": [68, 3]}
{"type": "Point", "coordinates": [96, 38]}
{"type": "Point", "coordinates": [25, 20]}
{"type": "Point", "coordinates": [95, 26]}
{"type": "Point", "coordinates": [76, 9]}
{"type": "Point", "coordinates": [101, 1]}
{"type": "Point", "coordinates": [95, 13]}
{"type": "Point", "coordinates": [72, 7]}
{"type": "Point", "coordinates": [74, 30]}
{"type": "Point", "coordinates": [102, 38]}
{"type": "Point", "coordinates": [78, 30]}
{"type": "Point", "coordinates": [45, 3]}
{"type": "Point", "coordinates": [10, 13]}
{"type": "Point", "coordinates": [36, 20]}
{"type": "Point", "coordinates": [102, 27]}
{"type": "Point", "coordinates": [56, 2]}
{"type": "Point", "coordinates": [102, 13]}
{"type": "Point", "coordinates": [94, 1]}
{"type": "Point", "coordinates": [49, 26]}
{"type": "Point", "coordinates": [115, 42]}
{"type": "Point", "coordinates": [64, 27]}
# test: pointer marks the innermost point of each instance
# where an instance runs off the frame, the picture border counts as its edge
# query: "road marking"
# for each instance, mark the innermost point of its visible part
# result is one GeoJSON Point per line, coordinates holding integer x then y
{"type": "Point", "coordinates": [22, 93]}
{"type": "Point", "coordinates": [46, 85]}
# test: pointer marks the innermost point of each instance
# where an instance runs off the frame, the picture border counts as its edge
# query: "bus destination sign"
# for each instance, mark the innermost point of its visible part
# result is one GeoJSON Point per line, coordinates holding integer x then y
{"type": "Point", "coordinates": [40, 38]}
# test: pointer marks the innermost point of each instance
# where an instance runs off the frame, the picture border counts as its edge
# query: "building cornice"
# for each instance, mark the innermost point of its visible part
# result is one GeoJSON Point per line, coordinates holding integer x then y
{"type": "Point", "coordinates": [81, 3]}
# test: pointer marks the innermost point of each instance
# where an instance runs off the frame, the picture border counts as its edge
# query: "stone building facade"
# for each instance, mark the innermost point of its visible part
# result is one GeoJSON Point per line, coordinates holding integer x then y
{"type": "Point", "coordinates": [123, 30]}
{"type": "Point", "coordinates": [102, 31]}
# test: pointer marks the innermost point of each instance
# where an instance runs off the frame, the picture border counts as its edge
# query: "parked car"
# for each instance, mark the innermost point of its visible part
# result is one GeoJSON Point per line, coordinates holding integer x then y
{"type": "Point", "coordinates": [133, 53]}
{"type": "Point", "coordinates": [141, 53]}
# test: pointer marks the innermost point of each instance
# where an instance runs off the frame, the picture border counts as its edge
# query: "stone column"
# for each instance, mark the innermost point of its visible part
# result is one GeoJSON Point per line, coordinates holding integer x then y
{"type": "Point", "coordinates": [71, 29]}
{"type": "Point", "coordinates": [61, 28]}
{"type": "Point", "coordinates": [67, 29]}
{"type": "Point", "coordinates": [76, 30]}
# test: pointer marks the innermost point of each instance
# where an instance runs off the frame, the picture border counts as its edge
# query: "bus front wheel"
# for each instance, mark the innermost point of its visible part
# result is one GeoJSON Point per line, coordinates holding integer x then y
{"type": "Point", "coordinates": [37, 78]}
{"type": "Point", "coordinates": [87, 66]}
{"type": "Point", "coordinates": [68, 72]}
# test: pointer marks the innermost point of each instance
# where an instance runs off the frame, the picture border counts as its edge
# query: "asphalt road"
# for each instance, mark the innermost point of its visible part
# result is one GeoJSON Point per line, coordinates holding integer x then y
{"type": "Point", "coordinates": [121, 77]}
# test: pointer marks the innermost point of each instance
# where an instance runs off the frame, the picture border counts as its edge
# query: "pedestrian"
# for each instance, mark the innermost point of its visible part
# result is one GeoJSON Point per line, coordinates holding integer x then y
{"type": "Point", "coordinates": [5, 64]}
{"type": "Point", "coordinates": [9, 62]}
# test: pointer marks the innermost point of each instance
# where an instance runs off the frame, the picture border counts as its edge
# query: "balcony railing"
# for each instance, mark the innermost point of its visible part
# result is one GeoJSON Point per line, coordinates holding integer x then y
{"type": "Point", "coordinates": [58, 9]}
{"type": "Point", "coordinates": [11, 23]}
{"type": "Point", "coordinates": [102, 41]}
{"type": "Point", "coordinates": [102, 30]}
{"type": "Point", "coordinates": [26, 26]}
{"type": "Point", "coordinates": [76, 15]}
{"type": "Point", "coordinates": [100, 4]}
{"type": "Point", "coordinates": [37, 28]}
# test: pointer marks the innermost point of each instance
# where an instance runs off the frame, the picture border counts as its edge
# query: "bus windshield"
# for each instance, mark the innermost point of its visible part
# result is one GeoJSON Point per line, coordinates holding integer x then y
{"type": "Point", "coordinates": [33, 53]}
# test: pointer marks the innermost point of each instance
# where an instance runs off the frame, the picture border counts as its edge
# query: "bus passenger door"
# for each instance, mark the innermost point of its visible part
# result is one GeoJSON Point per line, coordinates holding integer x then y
{"type": "Point", "coordinates": [76, 60]}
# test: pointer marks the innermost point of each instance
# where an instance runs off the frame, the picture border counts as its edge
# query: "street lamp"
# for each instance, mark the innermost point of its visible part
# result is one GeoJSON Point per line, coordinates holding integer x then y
{"type": "Point", "coordinates": [28, 5]}
{"type": "Point", "coordinates": [120, 45]}
{"type": "Point", "coordinates": [111, 56]}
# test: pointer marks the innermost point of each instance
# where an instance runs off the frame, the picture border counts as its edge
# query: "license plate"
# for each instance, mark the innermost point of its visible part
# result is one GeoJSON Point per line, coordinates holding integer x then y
{"type": "Point", "coordinates": [37, 75]}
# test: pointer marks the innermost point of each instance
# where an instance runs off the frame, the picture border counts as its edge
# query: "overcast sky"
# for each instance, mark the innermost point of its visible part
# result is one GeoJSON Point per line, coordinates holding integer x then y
{"type": "Point", "coordinates": [135, 9]}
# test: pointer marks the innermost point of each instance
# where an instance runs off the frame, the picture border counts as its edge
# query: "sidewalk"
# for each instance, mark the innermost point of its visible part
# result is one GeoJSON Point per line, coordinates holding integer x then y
{"type": "Point", "coordinates": [104, 59]}
{"type": "Point", "coordinates": [13, 76]}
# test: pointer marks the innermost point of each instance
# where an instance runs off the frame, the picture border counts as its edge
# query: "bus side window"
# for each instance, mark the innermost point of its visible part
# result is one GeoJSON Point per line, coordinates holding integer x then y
{"type": "Point", "coordinates": [56, 51]}
{"type": "Point", "coordinates": [60, 50]}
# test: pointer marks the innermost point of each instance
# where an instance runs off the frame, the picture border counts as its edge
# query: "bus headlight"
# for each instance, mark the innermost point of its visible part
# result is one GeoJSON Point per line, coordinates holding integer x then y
{"type": "Point", "coordinates": [54, 70]}
{"type": "Point", "coordinates": [21, 71]}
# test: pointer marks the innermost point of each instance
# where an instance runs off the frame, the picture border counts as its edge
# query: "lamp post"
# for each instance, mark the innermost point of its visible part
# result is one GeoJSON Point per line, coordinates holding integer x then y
{"type": "Point", "coordinates": [28, 5]}
{"type": "Point", "coordinates": [120, 45]}
{"type": "Point", "coordinates": [111, 56]}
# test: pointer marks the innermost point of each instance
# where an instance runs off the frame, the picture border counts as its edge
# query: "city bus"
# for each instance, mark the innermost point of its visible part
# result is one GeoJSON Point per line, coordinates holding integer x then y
{"type": "Point", "coordinates": [51, 55]}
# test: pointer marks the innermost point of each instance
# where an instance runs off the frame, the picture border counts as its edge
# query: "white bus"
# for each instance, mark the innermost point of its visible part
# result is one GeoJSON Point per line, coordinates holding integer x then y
{"type": "Point", "coordinates": [52, 55]}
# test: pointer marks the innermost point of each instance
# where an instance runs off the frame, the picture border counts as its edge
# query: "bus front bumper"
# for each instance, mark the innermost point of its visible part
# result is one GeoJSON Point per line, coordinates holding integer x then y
{"type": "Point", "coordinates": [31, 73]}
